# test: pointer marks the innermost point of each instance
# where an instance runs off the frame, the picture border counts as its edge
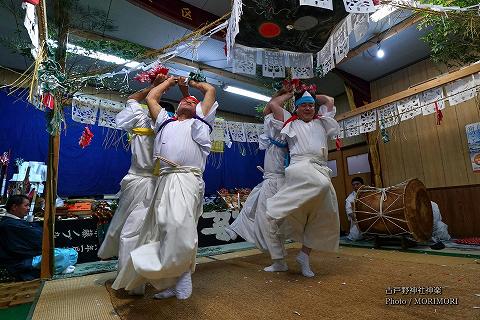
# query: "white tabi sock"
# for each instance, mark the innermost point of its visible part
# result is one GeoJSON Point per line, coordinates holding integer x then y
{"type": "Point", "coordinates": [184, 286]}
{"type": "Point", "coordinates": [232, 234]}
{"type": "Point", "coordinates": [304, 261]}
{"type": "Point", "coordinates": [278, 265]}
{"type": "Point", "coordinates": [165, 294]}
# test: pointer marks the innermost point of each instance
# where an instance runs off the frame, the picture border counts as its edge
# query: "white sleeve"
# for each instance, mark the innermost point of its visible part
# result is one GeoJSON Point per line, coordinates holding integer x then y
{"type": "Point", "coordinates": [162, 116]}
{"type": "Point", "coordinates": [349, 204]}
{"type": "Point", "coordinates": [323, 111]}
{"type": "Point", "coordinates": [129, 116]}
{"type": "Point", "coordinates": [210, 117]}
{"type": "Point", "coordinates": [332, 128]}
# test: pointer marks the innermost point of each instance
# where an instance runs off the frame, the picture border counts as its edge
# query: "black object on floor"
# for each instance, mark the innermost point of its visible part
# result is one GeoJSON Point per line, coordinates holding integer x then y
{"type": "Point", "coordinates": [437, 246]}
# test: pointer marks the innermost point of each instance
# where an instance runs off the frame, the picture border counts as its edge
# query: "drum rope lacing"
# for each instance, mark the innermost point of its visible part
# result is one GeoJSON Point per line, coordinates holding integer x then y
{"type": "Point", "coordinates": [382, 213]}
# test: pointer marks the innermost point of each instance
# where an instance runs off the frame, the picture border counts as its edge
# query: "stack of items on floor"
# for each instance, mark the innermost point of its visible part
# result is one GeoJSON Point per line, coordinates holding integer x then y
{"type": "Point", "coordinates": [234, 199]}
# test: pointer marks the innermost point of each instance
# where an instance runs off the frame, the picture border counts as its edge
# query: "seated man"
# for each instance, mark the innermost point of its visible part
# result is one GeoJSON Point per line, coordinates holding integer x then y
{"type": "Point", "coordinates": [21, 242]}
{"type": "Point", "coordinates": [354, 233]}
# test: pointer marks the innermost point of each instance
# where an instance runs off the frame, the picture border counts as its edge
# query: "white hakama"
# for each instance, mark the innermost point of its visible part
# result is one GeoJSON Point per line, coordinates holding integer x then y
{"type": "Point", "coordinates": [305, 209]}
{"type": "Point", "coordinates": [252, 224]}
{"type": "Point", "coordinates": [138, 185]}
{"type": "Point", "coordinates": [167, 240]}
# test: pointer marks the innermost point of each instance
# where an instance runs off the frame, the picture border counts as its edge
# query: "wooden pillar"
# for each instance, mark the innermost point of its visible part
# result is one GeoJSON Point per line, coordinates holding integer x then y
{"type": "Point", "coordinates": [375, 158]}
{"type": "Point", "coordinates": [48, 244]}
{"type": "Point", "coordinates": [372, 144]}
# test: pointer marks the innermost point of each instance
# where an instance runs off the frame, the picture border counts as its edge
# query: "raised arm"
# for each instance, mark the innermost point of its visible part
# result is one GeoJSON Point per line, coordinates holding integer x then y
{"type": "Point", "coordinates": [275, 105]}
{"type": "Point", "coordinates": [142, 94]}
{"type": "Point", "coordinates": [208, 95]}
{"type": "Point", "coordinates": [153, 97]}
{"type": "Point", "coordinates": [182, 85]}
{"type": "Point", "coordinates": [325, 100]}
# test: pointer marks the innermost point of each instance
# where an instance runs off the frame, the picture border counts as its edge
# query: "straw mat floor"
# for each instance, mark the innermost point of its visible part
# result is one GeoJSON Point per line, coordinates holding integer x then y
{"type": "Point", "coordinates": [349, 285]}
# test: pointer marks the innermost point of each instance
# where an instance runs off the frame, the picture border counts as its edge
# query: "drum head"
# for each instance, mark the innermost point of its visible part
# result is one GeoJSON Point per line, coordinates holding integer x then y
{"type": "Point", "coordinates": [418, 210]}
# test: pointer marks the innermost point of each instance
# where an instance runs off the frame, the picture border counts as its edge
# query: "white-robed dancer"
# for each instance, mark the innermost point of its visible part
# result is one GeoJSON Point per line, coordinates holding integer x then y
{"type": "Point", "coordinates": [138, 185]}
{"type": "Point", "coordinates": [252, 223]}
{"type": "Point", "coordinates": [167, 243]}
{"type": "Point", "coordinates": [131, 229]}
{"type": "Point", "coordinates": [305, 209]}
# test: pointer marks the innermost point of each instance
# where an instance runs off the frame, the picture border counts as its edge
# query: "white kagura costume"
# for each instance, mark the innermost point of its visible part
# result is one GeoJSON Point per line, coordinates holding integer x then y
{"type": "Point", "coordinates": [167, 240]}
{"type": "Point", "coordinates": [252, 223]}
{"type": "Point", "coordinates": [305, 209]}
{"type": "Point", "coordinates": [138, 185]}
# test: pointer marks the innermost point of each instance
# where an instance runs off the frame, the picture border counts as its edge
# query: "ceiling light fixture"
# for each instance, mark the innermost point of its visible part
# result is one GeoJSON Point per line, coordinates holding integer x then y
{"type": "Point", "coordinates": [247, 93]}
{"type": "Point", "coordinates": [380, 52]}
{"type": "Point", "coordinates": [382, 12]}
{"type": "Point", "coordinates": [71, 48]}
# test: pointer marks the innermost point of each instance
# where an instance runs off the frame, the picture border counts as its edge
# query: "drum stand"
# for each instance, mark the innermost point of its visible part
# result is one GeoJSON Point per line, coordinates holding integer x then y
{"type": "Point", "coordinates": [403, 241]}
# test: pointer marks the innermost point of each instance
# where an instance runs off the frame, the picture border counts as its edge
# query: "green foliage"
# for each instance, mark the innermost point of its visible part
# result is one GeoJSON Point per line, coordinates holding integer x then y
{"type": "Point", "coordinates": [259, 111]}
{"type": "Point", "coordinates": [454, 38]}
{"type": "Point", "coordinates": [121, 48]}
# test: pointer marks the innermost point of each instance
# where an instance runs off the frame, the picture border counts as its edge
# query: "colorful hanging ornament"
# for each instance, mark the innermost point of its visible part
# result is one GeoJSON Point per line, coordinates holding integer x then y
{"type": "Point", "coordinates": [439, 114]}
{"type": "Point", "coordinates": [197, 76]}
{"type": "Point", "coordinates": [150, 75]}
{"type": "Point", "coordinates": [86, 138]}
{"type": "Point", "coordinates": [48, 101]}
{"type": "Point", "coordinates": [338, 143]}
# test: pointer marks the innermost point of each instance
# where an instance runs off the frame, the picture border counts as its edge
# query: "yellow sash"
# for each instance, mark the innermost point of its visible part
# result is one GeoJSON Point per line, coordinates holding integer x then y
{"type": "Point", "coordinates": [143, 131]}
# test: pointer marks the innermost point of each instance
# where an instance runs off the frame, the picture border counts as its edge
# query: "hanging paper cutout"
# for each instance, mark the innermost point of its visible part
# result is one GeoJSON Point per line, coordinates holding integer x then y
{"type": "Point", "coordinates": [325, 61]}
{"type": "Point", "coordinates": [237, 131]}
{"type": "Point", "coordinates": [428, 99]}
{"type": "Point", "coordinates": [340, 42]}
{"type": "Point", "coordinates": [460, 91]}
{"type": "Point", "coordinates": [341, 133]}
{"type": "Point", "coordinates": [368, 121]}
{"type": "Point", "coordinates": [273, 64]}
{"type": "Point", "coordinates": [108, 111]}
{"type": "Point", "coordinates": [409, 108]}
{"type": "Point", "coordinates": [301, 65]}
{"type": "Point", "coordinates": [31, 24]}
{"type": "Point", "coordinates": [360, 24]}
{"type": "Point", "coordinates": [244, 60]}
{"type": "Point", "coordinates": [388, 116]}
{"type": "Point", "coordinates": [352, 126]}
{"type": "Point", "coordinates": [325, 4]}
{"type": "Point", "coordinates": [84, 109]}
{"type": "Point", "coordinates": [218, 132]}
{"type": "Point", "coordinates": [251, 131]}
{"type": "Point", "coordinates": [359, 6]}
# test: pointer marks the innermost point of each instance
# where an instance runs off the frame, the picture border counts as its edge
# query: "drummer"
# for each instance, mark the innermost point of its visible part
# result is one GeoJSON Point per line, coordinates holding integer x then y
{"type": "Point", "coordinates": [354, 233]}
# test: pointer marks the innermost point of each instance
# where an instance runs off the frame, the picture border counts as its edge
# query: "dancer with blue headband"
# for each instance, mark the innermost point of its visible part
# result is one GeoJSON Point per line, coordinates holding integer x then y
{"type": "Point", "coordinates": [305, 208]}
{"type": "Point", "coordinates": [252, 223]}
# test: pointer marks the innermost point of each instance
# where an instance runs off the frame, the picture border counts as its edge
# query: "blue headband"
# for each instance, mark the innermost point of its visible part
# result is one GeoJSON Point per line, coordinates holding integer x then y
{"type": "Point", "coordinates": [304, 99]}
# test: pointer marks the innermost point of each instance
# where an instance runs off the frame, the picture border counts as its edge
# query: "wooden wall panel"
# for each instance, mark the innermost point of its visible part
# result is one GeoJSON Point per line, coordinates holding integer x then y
{"type": "Point", "coordinates": [436, 154]}
{"type": "Point", "coordinates": [459, 208]}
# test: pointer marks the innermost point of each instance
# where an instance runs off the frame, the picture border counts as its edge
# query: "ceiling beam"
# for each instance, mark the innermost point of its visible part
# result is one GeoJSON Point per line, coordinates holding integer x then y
{"type": "Point", "coordinates": [179, 60]}
{"type": "Point", "coordinates": [410, 21]}
{"type": "Point", "coordinates": [178, 12]}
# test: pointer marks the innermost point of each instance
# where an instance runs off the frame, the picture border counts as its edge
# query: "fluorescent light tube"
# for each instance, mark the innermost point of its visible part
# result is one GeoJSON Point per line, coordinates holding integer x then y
{"type": "Point", "coordinates": [247, 93]}
{"type": "Point", "coordinates": [382, 12]}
